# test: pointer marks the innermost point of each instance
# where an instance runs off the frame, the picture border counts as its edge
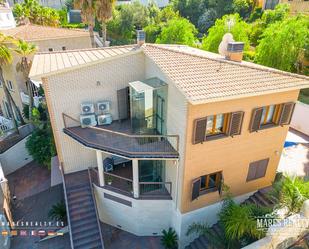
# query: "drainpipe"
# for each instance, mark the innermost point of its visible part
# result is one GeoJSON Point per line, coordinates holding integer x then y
{"type": "Point", "coordinates": [135, 178]}
{"type": "Point", "coordinates": [100, 167]}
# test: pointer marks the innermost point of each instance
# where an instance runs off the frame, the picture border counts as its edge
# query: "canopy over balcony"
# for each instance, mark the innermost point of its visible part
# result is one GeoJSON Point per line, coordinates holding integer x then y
{"type": "Point", "coordinates": [117, 138]}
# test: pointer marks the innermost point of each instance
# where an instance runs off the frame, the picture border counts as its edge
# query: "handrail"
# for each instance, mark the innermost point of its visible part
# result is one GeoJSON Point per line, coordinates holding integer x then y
{"type": "Point", "coordinates": [117, 176]}
{"type": "Point", "coordinates": [95, 205]}
{"type": "Point", "coordinates": [66, 204]}
{"type": "Point", "coordinates": [122, 133]}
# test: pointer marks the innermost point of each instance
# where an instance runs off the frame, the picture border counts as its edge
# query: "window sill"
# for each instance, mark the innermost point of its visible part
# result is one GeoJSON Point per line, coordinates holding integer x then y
{"type": "Point", "coordinates": [207, 191]}
{"type": "Point", "coordinates": [267, 126]}
{"type": "Point", "coordinates": [215, 137]}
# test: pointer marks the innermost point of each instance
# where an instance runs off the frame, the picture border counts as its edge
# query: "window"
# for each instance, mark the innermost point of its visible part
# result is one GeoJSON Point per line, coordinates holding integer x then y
{"type": "Point", "coordinates": [257, 169]}
{"type": "Point", "coordinates": [10, 85]}
{"type": "Point", "coordinates": [64, 48]}
{"type": "Point", "coordinates": [270, 116]}
{"type": "Point", "coordinates": [50, 50]}
{"type": "Point", "coordinates": [217, 126]}
{"type": "Point", "coordinates": [206, 184]}
{"type": "Point", "coordinates": [0, 83]}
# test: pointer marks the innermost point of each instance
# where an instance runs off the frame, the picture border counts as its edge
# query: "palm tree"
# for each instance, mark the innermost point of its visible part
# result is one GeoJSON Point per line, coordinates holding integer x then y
{"type": "Point", "coordinates": [25, 50]}
{"type": "Point", "coordinates": [104, 12]}
{"type": "Point", "coordinates": [291, 192]}
{"type": "Point", "coordinates": [87, 8]}
{"type": "Point", "coordinates": [6, 58]}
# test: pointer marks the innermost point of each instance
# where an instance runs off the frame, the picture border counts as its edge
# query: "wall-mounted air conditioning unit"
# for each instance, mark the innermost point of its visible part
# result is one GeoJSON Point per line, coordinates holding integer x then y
{"type": "Point", "coordinates": [103, 107]}
{"type": "Point", "coordinates": [88, 120]}
{"type": "Point", "coordinates": [87, 108]}
{"type": "Point", "coordinates": [105, 119]}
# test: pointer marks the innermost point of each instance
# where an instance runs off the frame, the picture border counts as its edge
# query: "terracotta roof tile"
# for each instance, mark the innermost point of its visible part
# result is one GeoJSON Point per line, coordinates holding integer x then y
{"type": "Point", "coordinates": [32, 32]}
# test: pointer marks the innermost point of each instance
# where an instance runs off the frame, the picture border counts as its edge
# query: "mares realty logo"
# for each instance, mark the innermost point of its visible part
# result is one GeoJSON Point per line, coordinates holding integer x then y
{"type": "Point", "coordinates": [271, 222]}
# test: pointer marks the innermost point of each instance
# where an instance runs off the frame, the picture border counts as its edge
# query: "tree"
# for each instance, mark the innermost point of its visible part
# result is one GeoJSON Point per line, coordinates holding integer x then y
{"type": "Point", "coordinates": [88, 10]}
{"type": "Point", "coordinates": [104, 12]}
{"type": "Point", "coordinates": [243, 7]}
{"type": "Point", "coordinates": [178, 31]}
{"type": "Point", "coordinates": [239, 29]}
{"type": "Point", "coordinates": [283, 42]}
{"type": "Point", "coordinates": [5, 59]}
{"type": "Point", "coordinates": [58, 212]}
{"type": "Point", "coordinates": [291, 192]}
{"type": "Point", "coordinates": [206, 20]}
{"type": "Point", "coordinates": [25, 50]}
{"type": "Point", "coordinates": [169, 239]}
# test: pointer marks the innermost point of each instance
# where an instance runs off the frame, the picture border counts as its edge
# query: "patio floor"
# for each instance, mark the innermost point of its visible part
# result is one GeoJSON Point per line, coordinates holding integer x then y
{"type": "Point", "coordinates": [31, 179]}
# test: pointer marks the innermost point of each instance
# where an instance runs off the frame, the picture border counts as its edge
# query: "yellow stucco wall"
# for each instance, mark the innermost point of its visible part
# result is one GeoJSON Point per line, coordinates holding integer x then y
{"type": "Point", "coordinates": [232, 155]}
{"type": "Point", "coordinates": [297, 6]}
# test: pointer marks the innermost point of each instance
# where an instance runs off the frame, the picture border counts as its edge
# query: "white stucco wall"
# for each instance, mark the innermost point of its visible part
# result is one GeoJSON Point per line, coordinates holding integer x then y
{"type": "Point", "coordinates": [300, 118]}
{"type": "Point", "coordinates": [69, 90]}
{"type": "Point", "coordinates": [15, 157]}
{"type": "Point", "coordinates": [145, 217]}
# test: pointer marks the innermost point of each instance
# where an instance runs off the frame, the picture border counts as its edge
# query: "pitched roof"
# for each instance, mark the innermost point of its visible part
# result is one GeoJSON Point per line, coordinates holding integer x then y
{"type": "Point", "coordinates": [31, 32]}
{"type": "Point", "coordinates": [200, 75]}
{"type": "Point", "coordinates": [207, 77]}
{"type": "Point", "coordinates": [55, 62]}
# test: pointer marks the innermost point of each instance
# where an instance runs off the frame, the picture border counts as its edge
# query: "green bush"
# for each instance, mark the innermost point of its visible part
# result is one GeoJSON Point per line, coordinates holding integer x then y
{"type": "Point", "coordinates": [73, 25]}
{"type": "Point", "coordinates": [58, 212]}
{"type": "Point", "coordinates": [169, 239]}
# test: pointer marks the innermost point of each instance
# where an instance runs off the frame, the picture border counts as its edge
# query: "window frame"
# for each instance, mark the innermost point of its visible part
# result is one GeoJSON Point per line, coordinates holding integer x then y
{"type": "Point", "coordinates": [224, 133]}
{"type": "Point", "coordinates": [257, 166]}
{"type": "Point", "coordinates": [274, 118]}
{"type": "Point", "coordinates": [208, 189]}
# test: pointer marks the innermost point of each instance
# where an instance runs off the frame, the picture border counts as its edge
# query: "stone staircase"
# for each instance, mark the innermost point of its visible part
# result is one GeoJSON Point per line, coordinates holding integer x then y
{"type": "Point", "coordinates": [83, 218]}
{"type": "Point", "coordinates": [259, 198]}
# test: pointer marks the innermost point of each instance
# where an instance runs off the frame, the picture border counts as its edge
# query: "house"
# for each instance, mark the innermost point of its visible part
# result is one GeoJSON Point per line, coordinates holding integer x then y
{"type": "Point", "coordinates": [7, 20]}
{"type": "Point", "coordinates": [297, 6]}
{"type": "Point", "coordinates": [185, 121]}
{"type": "Point", "coordinates": [46, 39]}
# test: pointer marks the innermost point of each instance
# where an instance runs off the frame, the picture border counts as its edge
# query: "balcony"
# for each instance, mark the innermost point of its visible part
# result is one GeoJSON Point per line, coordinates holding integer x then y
{"type": "Point", "coordinates": [117, 138]}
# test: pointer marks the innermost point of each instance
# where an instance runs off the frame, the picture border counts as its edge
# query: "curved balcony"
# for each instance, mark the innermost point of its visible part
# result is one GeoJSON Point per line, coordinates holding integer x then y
{"type": "Point", "coordinates": [117, 138]}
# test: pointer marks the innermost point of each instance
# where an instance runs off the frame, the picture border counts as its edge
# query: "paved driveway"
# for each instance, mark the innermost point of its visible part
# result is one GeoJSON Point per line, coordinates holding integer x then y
{"type": "Point", "coordinates": [295, 159]}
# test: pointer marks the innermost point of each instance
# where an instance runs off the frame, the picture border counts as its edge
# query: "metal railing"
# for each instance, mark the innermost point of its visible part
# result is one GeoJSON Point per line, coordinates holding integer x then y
{"type": "Point", "coordinates": [66, 203]}
{"type": "Point", "coordinates": [155, 189]}
{"type": "Point", "coordinates": [124, 142]}
{"type": "Point", "coordinates": [92, 181]}
{"type": "Point", "coordinates": [118, 183]}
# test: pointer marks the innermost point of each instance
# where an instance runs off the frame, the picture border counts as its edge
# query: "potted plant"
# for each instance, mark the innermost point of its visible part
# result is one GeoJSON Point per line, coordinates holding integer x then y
{"type": "Point", "coordinates": [169, 239]}
{"type": "Point", "coordinates": [109, 180]}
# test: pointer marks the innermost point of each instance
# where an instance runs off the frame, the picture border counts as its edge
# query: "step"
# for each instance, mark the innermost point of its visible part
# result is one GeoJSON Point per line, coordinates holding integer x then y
{"type": "Point", "coordinates": [199, 244]}
{"type": "Point", "coordinates": [76, 189]}
{"type": "Point", "coordinates": [268, 198]}
{"type": "Point", "coordinates": [92, 245]}
{"type": "Point", "coordinates": [85, 227]}
{"type": "Point", "coordinates": [81, 205]}
{"type": "Point", "coordinates": [254, 200]}
{"type": "Point", "coordinates": [86, 241]}
{"type": "Point", "coordinates": [204, 240]}
{"type": "Point", "coordinates": [81, 214]}
{"type": "Point", "coordinates": [79, 219]}
{"type": "Point", "coordinates": [83, 222]}
{"type": "Point", "coordinates": [262, 199]}
{"type": "Point", "coordinates": [86, 234]}
{"type": "Point", "coordinates": [79, 194]}
{"type": "Point", "coordinates": [217, 229]}
{"type": "Point", "coordinates": [81, 199]}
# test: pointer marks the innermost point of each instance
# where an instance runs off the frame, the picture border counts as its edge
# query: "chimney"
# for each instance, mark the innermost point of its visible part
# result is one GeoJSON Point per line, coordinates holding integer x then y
{"type": "Point", "coordinates": [140, 37]}
{"type": "Point", "coordinates": [235, 51]}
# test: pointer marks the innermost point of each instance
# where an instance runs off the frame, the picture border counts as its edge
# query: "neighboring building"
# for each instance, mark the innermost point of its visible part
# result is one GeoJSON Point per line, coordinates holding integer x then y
{"type": "Point", "coordinates": [46, 39]}
{"type": "Point", "coordinates": [7, 20]}
{"type": "Point", "coordinates": [297, 6]}
{"type": "Point", "coordinates": [186, 121]}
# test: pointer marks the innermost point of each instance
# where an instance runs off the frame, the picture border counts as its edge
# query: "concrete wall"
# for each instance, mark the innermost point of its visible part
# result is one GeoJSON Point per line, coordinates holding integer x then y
{"type": "Point", "coordinates": [15, 157]}
{"type": "Point", "coordinates": [233, 155]}
{"type": "Point", "coordinates": [65, 92]}
{"type": "Point", "coordinates": [300, 118]}
{"type": "Point", "coordinates": [145, 217]}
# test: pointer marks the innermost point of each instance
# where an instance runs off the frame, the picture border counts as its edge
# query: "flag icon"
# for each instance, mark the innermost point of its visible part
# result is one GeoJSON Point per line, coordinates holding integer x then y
{"type": "Point", "coordinates": [41, 233]}
{"type": "Point", "coordinates": [23, 233]}
{"type": "Point", "coordinates": [51, 233]}
{"type": "Point", "coordinates": [5, 233]}
{"type": "Point", "coordinates": [59, 233]}
{"type": "Point", "coordinates": [13, 233]}
{"type": "Point", "coordinates": [34, 233]}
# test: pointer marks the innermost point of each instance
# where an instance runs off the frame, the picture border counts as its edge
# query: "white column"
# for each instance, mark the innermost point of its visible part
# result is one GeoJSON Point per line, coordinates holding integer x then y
{"type": "Point", "coordinates": [135, 178]}
{"type": "Point", "coordinates": [100, 167]}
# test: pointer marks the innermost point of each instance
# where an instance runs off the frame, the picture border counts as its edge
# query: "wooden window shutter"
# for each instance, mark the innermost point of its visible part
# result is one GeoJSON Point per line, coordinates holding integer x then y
{"type": "Point", "coordinates": [196, 188]}
{"type": "Point", "coordinates": [235, 123]}
{"type": "Point", "coordinates": [252, 171]}
{"type": "Point", "coordinates": [221, 183]}
{"type": "Point", "coordinates": [123, 103]}
{"type": "Point", "coordinates": [286, 113]}
{"type": "Point", "coordinates": [256, 119]}
{"type": "Point", "coordinates": [199, 130]}
{"type": "Point", "coordinates": [261, 169]}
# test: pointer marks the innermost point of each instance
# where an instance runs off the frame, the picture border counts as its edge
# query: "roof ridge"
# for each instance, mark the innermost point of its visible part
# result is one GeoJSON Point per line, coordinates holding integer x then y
{"type": "Point", "coordinates": [88, 49]}
{"type": "Point", "coordinates": [262, 68]}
